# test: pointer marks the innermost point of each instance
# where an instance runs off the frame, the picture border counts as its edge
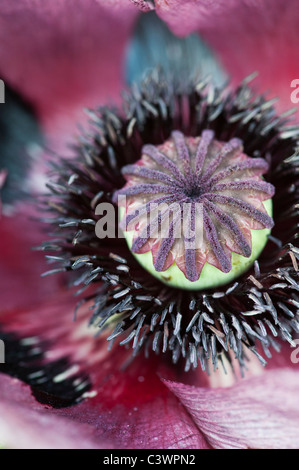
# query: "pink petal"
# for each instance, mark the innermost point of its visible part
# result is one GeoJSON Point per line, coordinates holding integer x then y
{"type": "Point", "coordinates": [131, 408]}
{"type": "Point", "coordinates": [261, 412]}
{"type": "Point", "coordinates": [61, 54]}
{"type": "Point", "coordinates": [21, 267]}
{"type": "Point", "coordinates": [63, 57]}
{"type": "Point", "coordinates": [157, 423]}
{"type": "Point", "coordinates": [26, 425]}
{"type": "Point", "coordinates": [248, 36]}
{"type": "Point", "coordinates": [161, 423]}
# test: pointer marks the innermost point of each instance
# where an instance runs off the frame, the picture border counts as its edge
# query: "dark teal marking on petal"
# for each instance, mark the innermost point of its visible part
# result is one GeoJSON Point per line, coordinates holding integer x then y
{"type": "Point", "coordinates": [153, 44]}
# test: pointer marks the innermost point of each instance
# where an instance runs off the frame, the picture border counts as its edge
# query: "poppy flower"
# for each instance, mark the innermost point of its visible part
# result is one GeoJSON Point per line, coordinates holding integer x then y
{"type": "Point", "coordinates": [170, 377]}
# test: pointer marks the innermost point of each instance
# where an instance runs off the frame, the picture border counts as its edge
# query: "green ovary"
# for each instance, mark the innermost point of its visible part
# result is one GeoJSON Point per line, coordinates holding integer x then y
{"type": "Point", "coordinates": [211, 277]}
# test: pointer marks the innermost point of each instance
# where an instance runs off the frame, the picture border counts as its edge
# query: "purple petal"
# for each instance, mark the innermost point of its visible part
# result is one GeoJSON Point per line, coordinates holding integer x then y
{"type": "Point", "coordinates": [21, 267]}
{"type": "Point", "coordinates": [260, 412]}
{"type": "Point", "coordinates": [129, 408]}
{"type": "Point", "coordinates": [248, 36]}
{"type": "Point", "coordinates": [67, 54]}
{"type": "Point", "coordinates": [26, 425]}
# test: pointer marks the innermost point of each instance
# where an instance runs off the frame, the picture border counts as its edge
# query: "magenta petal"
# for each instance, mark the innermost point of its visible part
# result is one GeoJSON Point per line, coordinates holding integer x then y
{"type": "Point", "coordinates": [248, 36]}
{"type": "Point", "coordinates": [26, 425]}
{"type": "Point", "coordinates": [261, 412]}
{"type": "Point", "coordinates": [161, 423]}
{"type": "Point", "coordinates": [130, 408]}
{"type": "Point", "coordinates": [63, 57]}
{"type": "Point", "coordinates": [61, 54]}
{"type": "Point", "coordinates": [21, 267]}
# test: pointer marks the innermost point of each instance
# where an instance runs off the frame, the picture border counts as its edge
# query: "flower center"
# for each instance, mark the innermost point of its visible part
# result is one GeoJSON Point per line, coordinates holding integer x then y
{"type": "Point", "coordinates": [193, 203]}
{"type": "Point", "coordinates": [194, 192]}
{"type": "Point", "coordinates": [212, 186]}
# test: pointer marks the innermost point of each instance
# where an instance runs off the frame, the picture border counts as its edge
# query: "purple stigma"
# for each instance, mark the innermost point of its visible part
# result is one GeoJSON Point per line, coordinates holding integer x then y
{"type": "Point", "coordinates": [195, 200]}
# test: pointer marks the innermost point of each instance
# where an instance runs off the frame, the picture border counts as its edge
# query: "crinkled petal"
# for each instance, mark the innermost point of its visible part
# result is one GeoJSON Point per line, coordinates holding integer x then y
{"type": "Point", "coordinates": [133, 407]}
{"type": "Point", "coordinates": [63, 57]}
{"type": "Point", "coordinates": [21, 267]}
{"type": "Point", "coordinates": [261, 412]}
{"type": "Point", "coordinates": [60, 54]}
{"type": "Point", "coordinates": [247, 35]}
{"type": "Point", "coordinates": [159, 423]}
{"type": "Point", "coordinates": [26, 425]}
{"type": "Point", "coordinates": [130, 407]}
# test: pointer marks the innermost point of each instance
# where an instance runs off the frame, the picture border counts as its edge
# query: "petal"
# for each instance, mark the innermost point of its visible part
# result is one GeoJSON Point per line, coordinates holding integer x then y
{"type": "Point", "coordinates": [156, 422]}
{"type": "Point", "coordinates": [248, 36]}
{"type": "Point", "coordinates": [26, 425]}
{"type": "Point", "coordinates": [21, 267]}
{"type": "Point", "coordinates": [261, 412]}
{"type": "Point", "coordinates": [66, 58]}
{"type": "Point", "coordinates": [130, 407]}
{"type": "Point", "coordinates": [68, 53]}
